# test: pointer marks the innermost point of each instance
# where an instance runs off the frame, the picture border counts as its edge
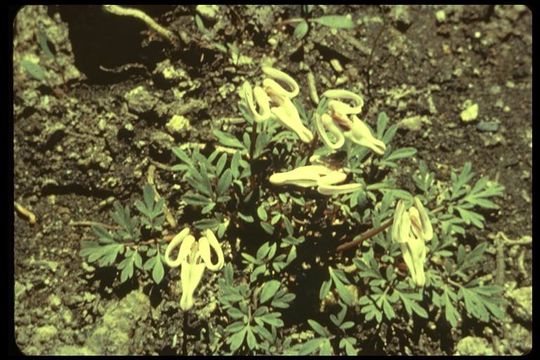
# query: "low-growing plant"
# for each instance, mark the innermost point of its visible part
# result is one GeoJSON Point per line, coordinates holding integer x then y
{"type": "Point", "coordinates": [288, 206]}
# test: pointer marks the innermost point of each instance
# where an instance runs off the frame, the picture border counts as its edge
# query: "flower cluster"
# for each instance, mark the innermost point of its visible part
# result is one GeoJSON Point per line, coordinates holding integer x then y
{"type": "Point", "coordinates": [275, 102]}
{"type": "Point", "coordinates": [193, 257]}
{"type": "Point", "coordinates": [411, 229]}
{"type": "Point", "coordinates": [316, 175]}
{"type": "Point", "coordinates": [337, 122]}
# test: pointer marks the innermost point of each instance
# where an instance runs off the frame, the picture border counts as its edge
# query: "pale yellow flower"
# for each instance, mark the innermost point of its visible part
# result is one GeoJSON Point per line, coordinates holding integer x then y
{"type": "Point", "coordinates": [337, 122]}
{"type": "Point", "coordinates": [193, 257]}
{"type": "Point", "coordinates": [275, 102]}
{"type": "Point", "coordinates": [324, 178]}
{"type": "Point", "coordinates": [411, 229]}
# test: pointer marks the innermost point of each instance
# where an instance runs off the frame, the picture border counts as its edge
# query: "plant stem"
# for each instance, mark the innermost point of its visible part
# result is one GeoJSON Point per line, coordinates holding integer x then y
{"type": "Point", "coordinates": [365, 235]}
{"type": "Point", "coordinates": [252, 153]}
{"type": "Point", "coordinates": [372, 232]}
{"type": "Point", "coordinates": [184, 334]}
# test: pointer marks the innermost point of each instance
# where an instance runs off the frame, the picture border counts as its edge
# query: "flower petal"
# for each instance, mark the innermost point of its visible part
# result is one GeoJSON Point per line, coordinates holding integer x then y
{"type": "Point", "coordinates": [427, 229]}
{"type": "Point", "coordinates": [205, 243]}
{"type": "Point", "coordinates": [324, 122]}
{"type": "Point", "coordinates": [398, 213]}
{"type": "Point", "coordinates": [287, 115]}
{"type": "Point", "coordinates": [280, 75]}
{"type": "Point", "coordinates": [190, 277]}
{"type": "Point", "coordinates": [338, 189]}
{"type": "Point", "coordinates": [361, 134]}
{"type": "Point", "coordinates": [304, 176]}
{"type": "Point", "coordinates": [173, 244]}
{"type": "Point", "coordinates": [262, 100]}
{"type": "Point", "coordinates": [341, 107]}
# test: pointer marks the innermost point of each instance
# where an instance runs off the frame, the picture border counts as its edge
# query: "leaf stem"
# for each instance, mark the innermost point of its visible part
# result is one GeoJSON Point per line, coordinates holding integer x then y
{"type": "Point", "coordinates": [372, 232]}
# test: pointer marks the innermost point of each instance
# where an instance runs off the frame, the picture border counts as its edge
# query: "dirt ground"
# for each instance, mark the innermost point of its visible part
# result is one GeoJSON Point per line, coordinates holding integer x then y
{"type": "Point", "coordinates": [87, 135]}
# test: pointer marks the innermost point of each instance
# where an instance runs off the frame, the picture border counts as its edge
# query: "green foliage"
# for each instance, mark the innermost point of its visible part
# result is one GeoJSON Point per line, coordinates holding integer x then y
{"type": "Point", "coordinates": [335, 21]}
{"type": "Point", "coordinates": [33, 69]}
{"type": "Point", "coordinates": [124, 247]}
{"type": "Point", "coordinates": [254, 318]}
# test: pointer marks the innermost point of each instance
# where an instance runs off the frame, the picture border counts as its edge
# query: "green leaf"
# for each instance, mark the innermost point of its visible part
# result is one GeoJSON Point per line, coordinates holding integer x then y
{"type": "Point", "coordinates": [309, 347]}
{"type": "Point", "coordinates": [343, 292]}
{"type": "Point", "coordinates": [325, 289]}
{"type": "Point", "coordinates": [401, 153]}
{"type": "Point", "coordinates": [261, 212]}
{"type": "Point", "coordinates": [319, 329]}
{"type": "Point", "coordinates": [221, 164]}
{"type": "Point", "coordinates": [200, 25]}
{"type": "Point", "coordinates": [237, 339]}
{"type": "Point", "coordinates": [246, 218]}
{"type": "Point", "coordinates": [251, 341]}
{"type": "Point", "coordinates": [268, 290]}
{"type": "Point", "coordinates": [273, 319]}
{"type": "Point", "coordinates": [382, 121]}
{"type": "Point", "coordinates": [228, 140]}
{"type": "Point", "coordinates": [181, 154]}
{"type": "Point", "coordinates": [301, 30]}
{"type": "Point", "coordinates": [387, 308]}
{"type": "Point", "coordinates": [43, 40]}
{"type": "Point", "coordinates": [204, 224]}
{"type": "Point", "coordinates": [336, 21]}
{"type": "Point", "coordinates": [104, 236]}
{"type": "Point", "coordinates": [235, 313]}
{"type": "Point", "coordinates": [471, 217]}
{"type": "Point", "coordinates": [158, 271]}
{"type": "Point", "coordinates": [195, 199]}
{"type": "Point", "coordinates": [267, 228]}
{"type": "Point", "coordinates": [450, 312]}
{"type": "Point", "coordinates": [33, 69]}
{"type": "Point", "coordinates": [235, 326]}
{"type": "Point", "coordinates": [224, 182]}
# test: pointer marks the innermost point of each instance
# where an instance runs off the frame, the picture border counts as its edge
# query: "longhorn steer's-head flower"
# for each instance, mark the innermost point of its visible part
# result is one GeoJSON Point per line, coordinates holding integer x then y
{"type": "Point", "coordinates": [337, 122]}
{"type": "Point", "coordinates": [275, 102]}
{"type": "Point", "coordinates": [193, 258]}
{"type": "Point", "coordinates": [411, 229]}
{"type": "Point", "coordinates": [316, 175]}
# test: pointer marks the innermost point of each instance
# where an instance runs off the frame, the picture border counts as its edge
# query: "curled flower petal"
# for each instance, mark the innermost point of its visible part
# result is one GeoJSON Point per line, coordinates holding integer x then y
{"type": "Point", "coordinates": [173, 244]}
{"type": "Point", "coordinates": [280, 75]}
{"type": "Point", "coordinates": [324, 122]}
{"type": "Point", "coordinates": [304, 176]}
{"type": "Point", "coordinates": [190, 277]}
{"type": "Point", "coordinates": [205, 244]}
{"type": "Point", "coordinates": [411, 229]}
{"type": "Point", "coordinates": [361, 134]}
{"type": "Point", "coordinates": [332, 177]}
{"type": "Point", "coordinates": [341, 107]}
{"type": "Point", "coordinates": [289, 117]}
{"type": "Point", "coordinates": [338, 189]}
{"type": "Point", "coordinates": [396, 225]}
{"type": "Point", "coordinates": [262, 100]}
{"type": "Point", "coordinates": [427, 229]}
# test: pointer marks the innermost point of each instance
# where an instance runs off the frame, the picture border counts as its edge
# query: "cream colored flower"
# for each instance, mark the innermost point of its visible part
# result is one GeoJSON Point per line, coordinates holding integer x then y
{"type": "Point", "coordinates": [275, 102]}
{"type": "Point", "coordinates": [411, 229]}
{"type": "Point", "coordinates": [323, 178]}
{"type": "Point", "coordinates": [337, 122]}
{"type": "Point", "coordinates": [193, 257]}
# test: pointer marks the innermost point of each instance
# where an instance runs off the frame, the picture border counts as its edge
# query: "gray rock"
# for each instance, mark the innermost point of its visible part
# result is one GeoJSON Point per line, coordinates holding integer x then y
{"type": "Point", "coordinates": [19, 289]}
{"type": "Point", "coordinates": [472, 345]}
{"type": "Point", "coordinates": [54, 301]}
{"type": "Point", "coordinates": [72, 350]}
{"type": "Point", "coordinates": [45, 334]}
{"type": "Point", "coordinates": [140, 100]}
{"type": "Point", "coordinates": [401, 17]}
{"type": "Point", "coordinates": [521, 300]}
{"type": "Point", "coordinates": [112, 336]}
{"type": "Point", "coordinates": [209, 12]}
